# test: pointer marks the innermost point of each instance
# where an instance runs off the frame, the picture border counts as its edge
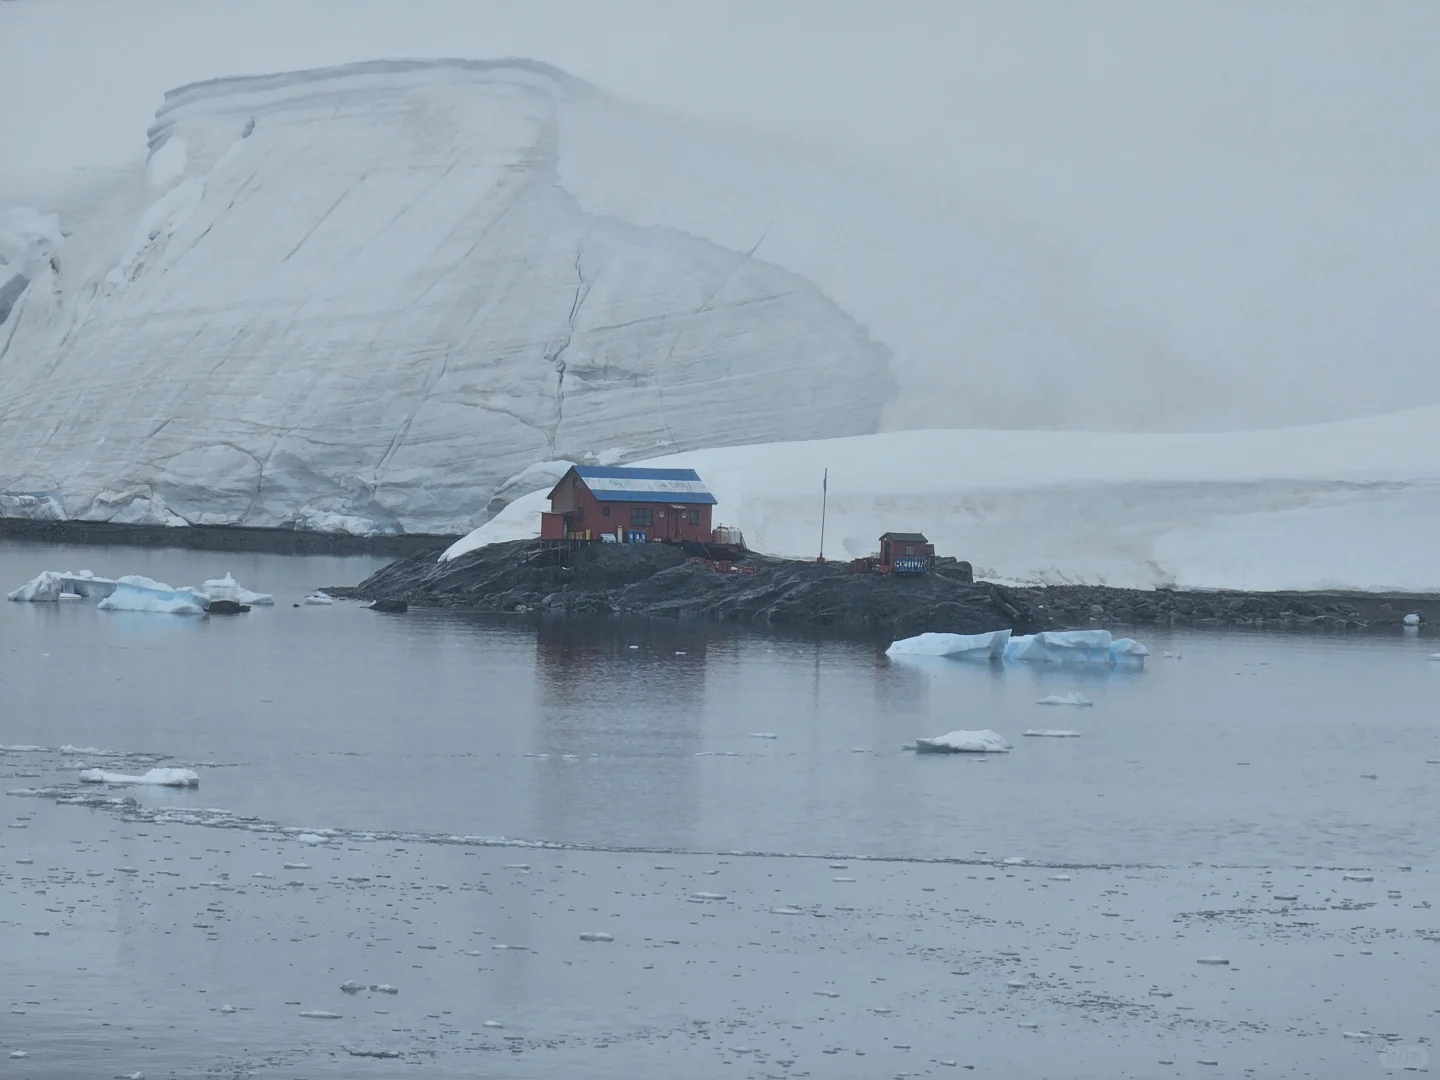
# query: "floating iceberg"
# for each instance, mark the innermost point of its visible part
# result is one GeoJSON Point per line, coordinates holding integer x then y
{"type": "Point", "coordinates": [989, 646]}
{"type": "Point", "coordinates": [1072, 698]}
{"type": "Point", "coordinates": [51, 585]}
{"type": "Point", "coordinates": [227, 588]}
{"type": "Point", "coordinates": [1051, 733]}
{"type": "Point", "coordinates": [157, 777]}
{"type": "Point", "coordinates": [136, 593]}
{"type": "Point", "coordinates": [1076, 647]}
{"type": "Point", "coordinates": [319, 599]}
{"type": "Point", "coordinates": [1412, 619]}
{"type": "Point", "coordinates": [964, 742]}
{"type": "Point", "coordinates": [1051, 646]}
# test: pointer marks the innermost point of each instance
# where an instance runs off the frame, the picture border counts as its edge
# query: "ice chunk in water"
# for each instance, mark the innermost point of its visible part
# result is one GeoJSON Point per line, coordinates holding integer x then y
{"type": "Point", "coordinates": [1412, 619]}
{"type": "Point", "coordinates": [1072, 698]}
{"type": "Point", "coordinates": [136, 593]}
{"type": "Point", "coordinates": [1077, 647]}
{"type": "Point", "coordinates": [596, 937]}
{"type": "Point", "coordinates": [964, 742]}
{"type": "Point", "coordinates": [159, 777]}
{"type": "Point", "coordinates": [227, 588]}
{"type": "Point", "coordinates": [319, 599]}
{"type": "Point", "coordinates": [989, 646]}
{"type": "Point", "coordinates": [51, 585]}
{"type": "Point", "coordinates": [1052, 733]}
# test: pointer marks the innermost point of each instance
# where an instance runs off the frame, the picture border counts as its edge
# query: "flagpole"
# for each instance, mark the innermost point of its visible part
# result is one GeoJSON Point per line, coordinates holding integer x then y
{"type": "Point", "coordinates": [824, 500]}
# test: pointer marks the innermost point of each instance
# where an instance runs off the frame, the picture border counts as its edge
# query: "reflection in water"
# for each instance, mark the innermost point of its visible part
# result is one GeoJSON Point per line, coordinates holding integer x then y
{"type": "Point", "coordinates": [619, 689]}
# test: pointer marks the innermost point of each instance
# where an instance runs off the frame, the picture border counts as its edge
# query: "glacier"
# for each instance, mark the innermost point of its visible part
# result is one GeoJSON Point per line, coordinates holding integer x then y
{"type": "Point", "coordinates": [363, 299]}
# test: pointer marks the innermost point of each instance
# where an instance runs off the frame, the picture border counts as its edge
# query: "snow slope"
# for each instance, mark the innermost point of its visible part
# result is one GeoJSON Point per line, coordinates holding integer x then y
{"type": "Point", "coordinates": [1354, 504]}
{"type": "Point", "coordinates": [361, 298]}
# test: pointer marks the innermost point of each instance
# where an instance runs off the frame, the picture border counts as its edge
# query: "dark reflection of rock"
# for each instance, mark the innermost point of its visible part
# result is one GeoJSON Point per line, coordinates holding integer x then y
{"type": "Point", "coordinates": [632, 693]}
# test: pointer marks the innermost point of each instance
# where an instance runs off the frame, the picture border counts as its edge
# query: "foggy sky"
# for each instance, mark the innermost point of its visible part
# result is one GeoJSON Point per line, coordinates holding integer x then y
{"type": "Point", "coordinates": [1252, 186]}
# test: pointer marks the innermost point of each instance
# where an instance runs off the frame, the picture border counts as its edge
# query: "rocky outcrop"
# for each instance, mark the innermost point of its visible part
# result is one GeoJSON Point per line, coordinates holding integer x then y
{"type": "Point", "coordinates": [657, 580]}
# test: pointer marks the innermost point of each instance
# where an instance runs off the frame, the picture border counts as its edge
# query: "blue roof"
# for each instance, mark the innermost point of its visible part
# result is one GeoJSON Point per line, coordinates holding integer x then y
{"type": "Point", "coordinates": [622, 472]}
{"type": "Point", "coordinates": [614, 483]}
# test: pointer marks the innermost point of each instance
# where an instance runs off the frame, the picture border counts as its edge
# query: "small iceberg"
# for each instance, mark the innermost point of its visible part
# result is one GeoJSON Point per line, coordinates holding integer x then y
{"type": "Point", "coordinates": [156, 777]}
{"type": "Point", "coordinates": [1052, 733]}
{"type": "Point", "coordinates": [319, 599]}
{"type": "Point", "coordinates": [227, 588]}
{"type": "Point", "coordinates": [1076, 647]}
{"type": "Point", "coordinates": [135, 593]}
{"type": "Point", "coordinates": [53, 585]}
{"type": "Point", "coordinates": [989, 646]}
{"type": "Point", "coordinates": [1413, 619]}
{"type": "Point", "coordinates": [964, 742]}
{"type": "Point", "coordinates": [1072, 698]}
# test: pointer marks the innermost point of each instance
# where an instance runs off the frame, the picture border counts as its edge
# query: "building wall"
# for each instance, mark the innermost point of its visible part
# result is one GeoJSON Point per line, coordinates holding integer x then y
{"type": "Point", "coordinates": [588, 514]}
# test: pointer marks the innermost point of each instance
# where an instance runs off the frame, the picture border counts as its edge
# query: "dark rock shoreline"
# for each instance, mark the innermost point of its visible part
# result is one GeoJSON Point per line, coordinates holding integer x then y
{"type": "Point", "coordinates": [655, 580]}
{"type": "Point", "coordinates": [218, 538]}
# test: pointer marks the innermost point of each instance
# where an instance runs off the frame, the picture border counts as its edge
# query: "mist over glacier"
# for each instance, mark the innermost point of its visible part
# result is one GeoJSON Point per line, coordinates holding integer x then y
{"type": "Point", "coordinates": [1178, 220]}
{"type": "Point", "coordinates": [359, 296]}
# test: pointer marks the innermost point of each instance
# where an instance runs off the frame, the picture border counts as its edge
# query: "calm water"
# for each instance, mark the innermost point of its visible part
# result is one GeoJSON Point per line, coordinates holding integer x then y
{"type": "Point", "coordinates": [1248, 749]}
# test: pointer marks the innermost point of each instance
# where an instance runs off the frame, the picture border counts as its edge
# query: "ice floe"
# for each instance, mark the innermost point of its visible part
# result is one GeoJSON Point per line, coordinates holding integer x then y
{"type": "Point", "coordinates": [964, 742]}
{"type": "Point", "coordinates": [1076, 647]}
{"type": "Point", "coordinates": [1413, 619]}
{"type": "Point", "coordinates": [50, 585]}
{"type": "Point", "coordinates": [1072, 698]}
{"type": "Point", "coordinates": [319, 599]}
{"type": "Point", "coordinates": [136, 593]}
{"type": "Point", "coordinates": [1050, 646]}
{"type": "Point", "coordinates": [990, 646]}
{"type": "Point", "coordinates": [227, 588]}
{"type": "Point", "coordinates": [1051, 733]}
{"type": "Point", "coordinates": [156, 777]}
{"type": "Point", "coordinates": [596, 937]}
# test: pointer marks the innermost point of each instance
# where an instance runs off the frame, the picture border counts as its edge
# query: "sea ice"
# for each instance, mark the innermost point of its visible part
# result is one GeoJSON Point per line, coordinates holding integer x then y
{"type": "Point", "coordinates": [1077, 647]}
{"type": "Point", "coordinates": [136, 593]}
{"type": "Point", "coordinates": [320, 1014]}
{"type": "Point", "coordinates": [157, 777]}
{"type": "Point", "coordinates": [989, 646]}
{"type": "Point", "coordinates": [1412, 619]}
{"type": "Point", "coordinates": [964, 742]}
{"type": "Point", "coordinates": [227, 588]}
{"type": "Point", "coordinates": [596, 937]}
{"type": "Point", "coordinates": [1072, 698]}
{"type": "Point", "coordinates": [1052, 733]}
{"type": "Point", "coordinates": [319, 599]}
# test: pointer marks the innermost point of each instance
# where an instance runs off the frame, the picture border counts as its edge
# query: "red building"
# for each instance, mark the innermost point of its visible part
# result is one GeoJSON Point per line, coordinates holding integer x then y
{"type": "Point", "coordinates": [906, 553]}
{"type": "Point", "coordinates": [594, 502]}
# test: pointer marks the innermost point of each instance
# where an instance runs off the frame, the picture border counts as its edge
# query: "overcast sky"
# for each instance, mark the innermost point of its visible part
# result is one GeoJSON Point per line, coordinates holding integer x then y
{"type": "Point", "coordinates": [1254, 178]}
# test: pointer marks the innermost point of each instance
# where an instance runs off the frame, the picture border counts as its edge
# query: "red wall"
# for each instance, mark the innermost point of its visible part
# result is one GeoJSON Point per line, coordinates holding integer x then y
{"type": "Point", "coordinates": [667, 523]}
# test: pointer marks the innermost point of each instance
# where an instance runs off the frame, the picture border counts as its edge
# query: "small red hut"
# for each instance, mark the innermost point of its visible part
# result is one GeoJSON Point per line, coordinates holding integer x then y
{"type": "Point", "coordinates": [627, 505]}
{"type": "Point", "coordinates": [905, 553]}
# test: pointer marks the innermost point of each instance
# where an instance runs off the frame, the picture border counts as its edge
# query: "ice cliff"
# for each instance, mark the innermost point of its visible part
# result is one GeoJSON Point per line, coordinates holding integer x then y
{"type": "Point", "coordinates": [360, 298]}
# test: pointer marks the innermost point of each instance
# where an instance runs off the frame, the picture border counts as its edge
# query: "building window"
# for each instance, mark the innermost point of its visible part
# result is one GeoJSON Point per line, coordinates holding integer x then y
{"type": "Point", "coordinates": [580, 514]}
{"type": "Point", "coordinates": [694, 517]}
{"type": "Point", "coordinates": [604, 511]}
{"type": "Point", "coordinates": [641, 515]}
{"type": "Point", "coordinates": [909, 548]}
